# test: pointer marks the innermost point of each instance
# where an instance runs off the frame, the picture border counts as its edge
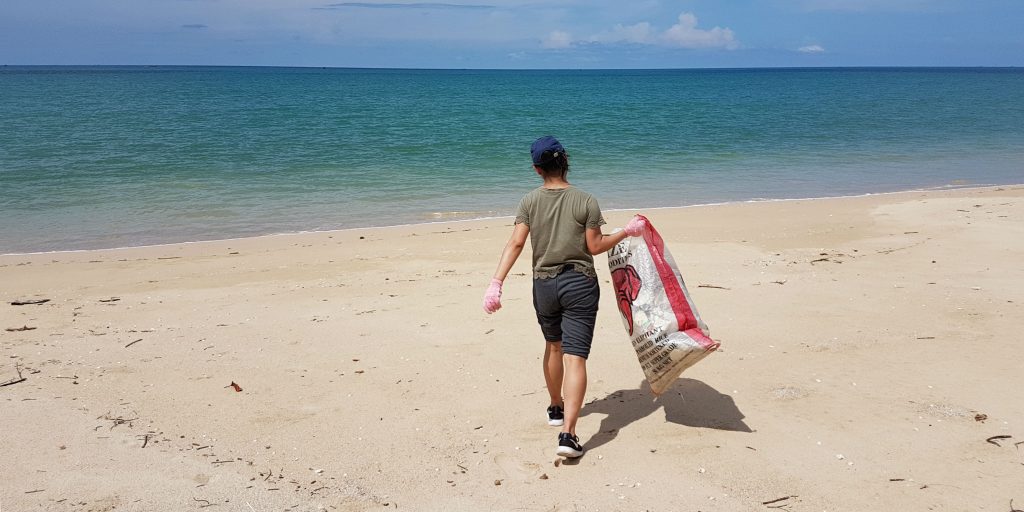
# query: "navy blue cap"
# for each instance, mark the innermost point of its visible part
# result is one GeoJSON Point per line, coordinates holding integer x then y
{"type": "Point", "coordinates": [545, 149]}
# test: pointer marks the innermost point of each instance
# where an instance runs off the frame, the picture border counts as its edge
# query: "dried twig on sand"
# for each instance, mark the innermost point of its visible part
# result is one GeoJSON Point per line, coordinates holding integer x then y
{"type": "Point", "coordinates": [118, 420]}
{"type": "Point", "coordinates": [776, 500]}
{"type": "Point", "coordinates": [992, 440]}
{"type": "Point", "coordinates": [29, 302]}
{"type": "Point", "coordinates": [711, 286]}
{"type": "Point", "coordinates": [15, 380]}
{"type": "Point", "coordinates": [132, 343]}
{"type": "Point", "coordinates": [20, 329]}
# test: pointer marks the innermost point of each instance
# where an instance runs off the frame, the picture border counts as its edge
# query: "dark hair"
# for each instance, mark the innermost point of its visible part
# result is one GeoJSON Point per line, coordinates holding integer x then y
{"type": "Point", "coordinates": [556, 167]}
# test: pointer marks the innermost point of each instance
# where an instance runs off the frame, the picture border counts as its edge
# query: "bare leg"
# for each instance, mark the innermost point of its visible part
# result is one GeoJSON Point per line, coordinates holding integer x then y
{"type": "Point", "coordinates": [553, 370]}
{"type": "Point", "coordinates": [575, 387]}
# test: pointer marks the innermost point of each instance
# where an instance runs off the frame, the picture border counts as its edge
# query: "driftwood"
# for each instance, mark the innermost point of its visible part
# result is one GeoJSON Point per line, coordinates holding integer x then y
{"type": "Point", "coordinates": [29, 302]}
{"type": "Point", "coordinates": [20, 329]}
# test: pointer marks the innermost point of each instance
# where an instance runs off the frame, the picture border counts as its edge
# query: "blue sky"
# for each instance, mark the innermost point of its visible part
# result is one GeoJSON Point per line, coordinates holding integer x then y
{"type": "Point", "coordinates": [515, 34]}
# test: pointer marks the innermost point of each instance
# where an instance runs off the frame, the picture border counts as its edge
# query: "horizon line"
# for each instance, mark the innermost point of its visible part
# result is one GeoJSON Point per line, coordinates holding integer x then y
{"type": "Point", "coordinates": [385, 68]}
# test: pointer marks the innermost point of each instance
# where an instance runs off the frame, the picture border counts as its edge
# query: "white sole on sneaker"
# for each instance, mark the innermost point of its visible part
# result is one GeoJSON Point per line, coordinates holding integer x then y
{"type": "Point", "coordinates": [566, 451]}
{"type": "Point", "coordinates": [556, 423]}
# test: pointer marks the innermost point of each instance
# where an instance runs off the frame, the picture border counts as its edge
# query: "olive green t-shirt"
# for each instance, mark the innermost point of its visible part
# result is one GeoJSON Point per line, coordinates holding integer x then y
{"type": "Point", "coordinates": [558, 220]}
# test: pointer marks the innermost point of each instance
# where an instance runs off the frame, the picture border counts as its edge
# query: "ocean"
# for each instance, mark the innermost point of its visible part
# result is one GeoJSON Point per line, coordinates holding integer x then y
{"type": "Point", "coordinates": [99, 157]}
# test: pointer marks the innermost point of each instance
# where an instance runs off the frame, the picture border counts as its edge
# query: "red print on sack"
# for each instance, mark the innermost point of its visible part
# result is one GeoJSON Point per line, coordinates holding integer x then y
{"type": "Point", "coordinates": [627, 287]}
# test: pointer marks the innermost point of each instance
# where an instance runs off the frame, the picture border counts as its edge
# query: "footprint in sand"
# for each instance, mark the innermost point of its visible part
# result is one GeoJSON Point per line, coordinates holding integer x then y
{"type": "Point", "coordinates": [785, 393]}
{"type": "Point", "coordinates": [517, 470]}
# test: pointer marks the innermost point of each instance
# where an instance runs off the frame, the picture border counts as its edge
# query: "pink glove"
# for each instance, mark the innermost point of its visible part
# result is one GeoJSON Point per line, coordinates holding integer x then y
{"type": "Point", "coordinates": [492, 298]}
{"type": "Point", "coordinates": [636, 226]}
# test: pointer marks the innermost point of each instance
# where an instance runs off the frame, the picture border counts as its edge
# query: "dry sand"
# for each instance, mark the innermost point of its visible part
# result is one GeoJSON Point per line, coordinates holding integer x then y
{"type": "Point", "coordinates": [871, 345]}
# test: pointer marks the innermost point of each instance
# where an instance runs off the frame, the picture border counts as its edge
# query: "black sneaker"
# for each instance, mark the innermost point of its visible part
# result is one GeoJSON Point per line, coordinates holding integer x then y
{"type": "Point", "coordinates": [555, 416]}
{"type": "Point", "coordinates": [569, 445]}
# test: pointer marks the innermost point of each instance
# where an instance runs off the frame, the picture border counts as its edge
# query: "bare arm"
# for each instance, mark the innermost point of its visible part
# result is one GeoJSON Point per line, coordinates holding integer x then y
{"type": "Point", "coordinates": [513, 249]}
{"type": "Point", "coordinates": [598, 242]}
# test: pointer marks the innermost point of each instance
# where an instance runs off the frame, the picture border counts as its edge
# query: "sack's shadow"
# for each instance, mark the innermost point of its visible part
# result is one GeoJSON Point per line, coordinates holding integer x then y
{"type": "Point", "coordinates": [688, 402]}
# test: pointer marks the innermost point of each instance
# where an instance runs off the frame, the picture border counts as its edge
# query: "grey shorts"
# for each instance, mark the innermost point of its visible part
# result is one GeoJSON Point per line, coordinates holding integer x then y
{"type": "Point", "coordinates": [566, 308]}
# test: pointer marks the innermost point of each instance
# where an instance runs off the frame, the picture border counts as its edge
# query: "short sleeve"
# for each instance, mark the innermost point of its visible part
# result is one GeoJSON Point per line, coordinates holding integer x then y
{"type": "Point", "coordinates": [594, 217]}
{"type": "Point", "coordinates": [523, 213]}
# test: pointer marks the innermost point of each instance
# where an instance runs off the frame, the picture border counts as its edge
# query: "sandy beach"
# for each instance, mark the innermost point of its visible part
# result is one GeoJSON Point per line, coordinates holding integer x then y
{"type": "Point", "coordinates": [871, 360]}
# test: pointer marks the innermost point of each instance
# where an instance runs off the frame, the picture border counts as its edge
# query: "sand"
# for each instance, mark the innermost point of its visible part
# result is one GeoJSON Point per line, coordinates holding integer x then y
{"type": "Point", "coordinates": [870, 346]}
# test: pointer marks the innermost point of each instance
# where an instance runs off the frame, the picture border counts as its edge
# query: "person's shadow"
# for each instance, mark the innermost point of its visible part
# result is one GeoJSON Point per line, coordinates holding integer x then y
{"type": "Point", "coordinates": [688, 402]}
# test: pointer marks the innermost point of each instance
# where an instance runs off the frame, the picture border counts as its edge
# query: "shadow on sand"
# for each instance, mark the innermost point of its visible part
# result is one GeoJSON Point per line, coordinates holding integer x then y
{"type": "Point", "coordinates": [688, 402]}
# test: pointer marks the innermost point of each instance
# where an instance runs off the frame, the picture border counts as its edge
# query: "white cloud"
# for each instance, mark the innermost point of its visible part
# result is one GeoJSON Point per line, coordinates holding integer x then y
{"type": "Point", "coordinates": [685, 34]}
{"type": "Point", "coordinates": [814, 48]}
{"type": "Point", "coordinates": [558, 39]}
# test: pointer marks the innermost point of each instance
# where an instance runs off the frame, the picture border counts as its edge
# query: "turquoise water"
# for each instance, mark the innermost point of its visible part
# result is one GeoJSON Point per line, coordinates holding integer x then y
{"type": "Point", "coordinates": [105, 157]}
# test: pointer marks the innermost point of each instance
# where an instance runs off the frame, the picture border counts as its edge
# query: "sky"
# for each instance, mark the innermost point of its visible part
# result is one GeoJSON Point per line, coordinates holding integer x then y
{"type": "Point", "coordinates": [532, 34]}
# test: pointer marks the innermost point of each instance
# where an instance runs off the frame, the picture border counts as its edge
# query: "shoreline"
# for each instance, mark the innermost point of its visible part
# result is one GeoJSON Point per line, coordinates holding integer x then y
{"type": "Point", "coordinates": [481, 219]}
{"type": "Point", "coordinates": [751, 68]}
